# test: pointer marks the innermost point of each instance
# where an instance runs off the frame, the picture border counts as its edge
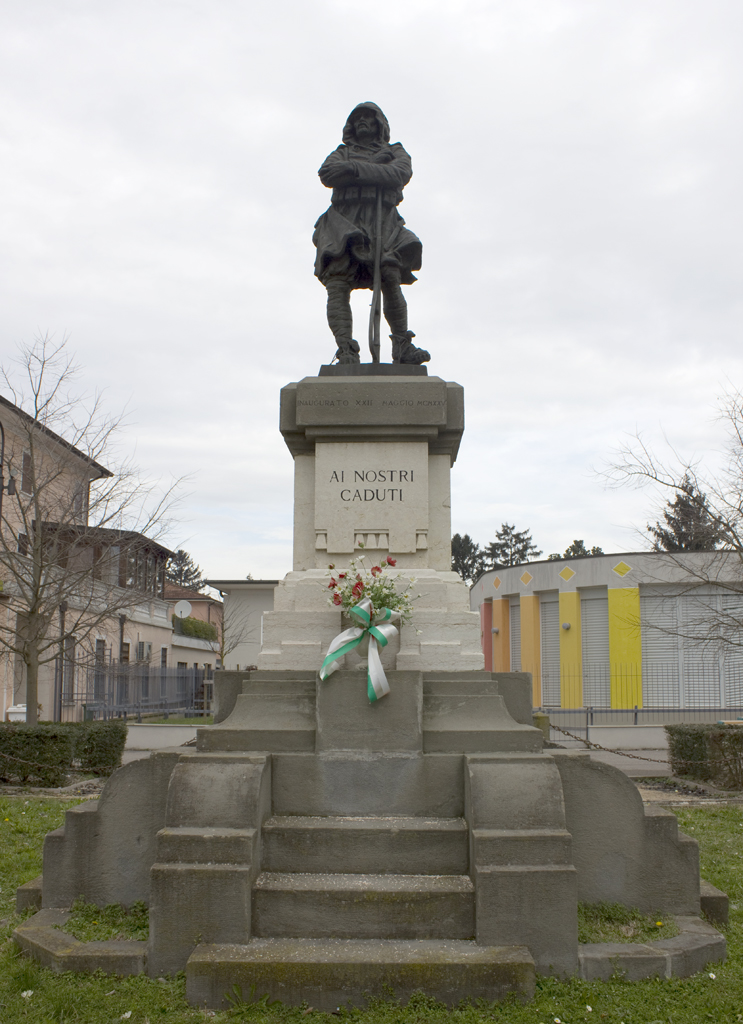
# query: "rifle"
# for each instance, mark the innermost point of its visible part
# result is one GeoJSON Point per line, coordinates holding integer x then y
{"type": "Point", "coordinates": [376, 303]}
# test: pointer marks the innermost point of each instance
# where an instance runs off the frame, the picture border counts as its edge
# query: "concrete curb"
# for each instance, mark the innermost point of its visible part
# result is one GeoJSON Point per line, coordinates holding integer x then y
{"type": "Point", "coordinates": [40, 937]}
{"type": "Point", "coordinates": [688, 953]}
{"type": "Point", "coordinates": [698, 945]}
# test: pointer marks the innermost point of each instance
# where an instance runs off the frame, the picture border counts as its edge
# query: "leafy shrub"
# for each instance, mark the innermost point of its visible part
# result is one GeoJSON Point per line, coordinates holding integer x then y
{"type": "Point", "coordinates": [45, 754]}
{"type": "Point", "coordinates": [40, 754]}
{"type": "Point", "coordinates": [195, 627]}
{"type": "Point", "coordinates": [99, 745]}
{"type": "Point", "coordinates": [707, 753]}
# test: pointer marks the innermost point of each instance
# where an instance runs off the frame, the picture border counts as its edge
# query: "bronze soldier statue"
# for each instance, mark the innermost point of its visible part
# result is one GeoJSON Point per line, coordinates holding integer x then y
{"type": "Point", "coordinates": [362, 231]}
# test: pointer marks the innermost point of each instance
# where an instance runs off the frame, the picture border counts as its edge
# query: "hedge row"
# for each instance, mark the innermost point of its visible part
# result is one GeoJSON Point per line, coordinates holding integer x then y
{"type": "Point", "coordinates": [45, 754]}
{"type": "Point", "coordinates": [195, 627]}
{"type": "Point", "coordinates": [707, 753]}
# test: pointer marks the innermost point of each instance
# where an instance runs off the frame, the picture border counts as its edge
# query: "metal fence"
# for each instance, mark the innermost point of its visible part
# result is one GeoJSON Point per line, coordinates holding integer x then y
{"type": "Point", "coordinates": [85, 690]}
{"type": "Point", "coordinates": [580, 720]}
{"type": "Point", "coordinates": [692, 684]}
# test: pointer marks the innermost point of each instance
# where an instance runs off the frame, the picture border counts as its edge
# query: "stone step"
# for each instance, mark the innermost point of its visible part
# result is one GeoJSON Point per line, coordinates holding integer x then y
{"type": "Point", "coordinates": [328, 974]}
{"type": "Point", "coordinates": [363, 906]}
{"type": "Point", "coordinates": [382, 845]}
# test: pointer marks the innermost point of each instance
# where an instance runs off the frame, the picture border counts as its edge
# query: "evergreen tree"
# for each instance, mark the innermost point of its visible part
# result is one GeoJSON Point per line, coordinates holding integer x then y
{"type": "Point", "coordinates": [466, 557]}
{"type": "Point", "coordinates": [689, 524]}
{"type": "Point", "coordinates": [183, 571]}
{"type": "Point", "coordinates": [511, 547]}
{"type": "Point", "coordinates": [579, 550]}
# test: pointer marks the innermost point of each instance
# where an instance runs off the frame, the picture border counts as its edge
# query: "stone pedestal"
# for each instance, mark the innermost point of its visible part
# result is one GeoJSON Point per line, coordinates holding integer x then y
{"type": "Point", "coordinates": [372, 459]}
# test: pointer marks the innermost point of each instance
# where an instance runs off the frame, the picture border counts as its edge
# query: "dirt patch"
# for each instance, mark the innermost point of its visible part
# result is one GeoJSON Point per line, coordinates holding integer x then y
{"type": "Point", "coordinates": [76, 787]}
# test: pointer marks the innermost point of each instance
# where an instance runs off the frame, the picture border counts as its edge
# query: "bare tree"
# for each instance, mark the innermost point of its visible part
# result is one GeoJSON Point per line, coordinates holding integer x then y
{"type": "Point", "coordinates": [234, 630]}
{"type": "Point", "coordinates": [712, 498]}
{"type": "Point", "coordinates": [78, 540]}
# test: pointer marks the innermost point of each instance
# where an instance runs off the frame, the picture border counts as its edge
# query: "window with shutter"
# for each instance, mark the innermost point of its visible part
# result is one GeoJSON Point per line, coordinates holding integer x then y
{"type": "Point", "coordinates": [515, 620]}
{"type": "Point", "coordinates": [594, 611]}
{"type": "Point", "coordinates": [732, 606]}
{"type": "Point", "coordinates": [700, 661]}
{"type": "Point", "coordinates": [549, 612]}
{"type": "Point", "coordinates": [660, 650]}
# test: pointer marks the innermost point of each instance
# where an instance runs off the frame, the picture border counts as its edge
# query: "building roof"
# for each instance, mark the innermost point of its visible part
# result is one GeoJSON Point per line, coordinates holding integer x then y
{"type": "Point", "coordinates": [621, 570]}
{"type": "Point", "coordinates": [31, 422]}
{"type": "Point", "coordinates": [175, 592]}
{"type": "Point", "coordinates": [234, 584]}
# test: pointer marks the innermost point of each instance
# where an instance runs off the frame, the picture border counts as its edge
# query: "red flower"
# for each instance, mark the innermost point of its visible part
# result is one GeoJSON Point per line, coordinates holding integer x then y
{"type": "Point", "coordinates": [332, 584]}
{"type": "Point", "coordinates": [358, 577]}
{"type": "Point", "coordinates": [375, 570]}
{"type": "Point", "coordinates": [331, 567]}
{"type": "Point", "coordinates": [341, 575]}
{"type": "Point", "coordinates": [337, 599]}
{"type": "Point", "coordinates": [358, 589]}
{"type": "Point", "coordinates": [391, 561]}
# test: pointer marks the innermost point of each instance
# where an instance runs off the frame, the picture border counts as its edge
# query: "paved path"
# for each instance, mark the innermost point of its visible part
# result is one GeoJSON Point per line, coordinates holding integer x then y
{"type": "Point", "coordinates": [636, 768]}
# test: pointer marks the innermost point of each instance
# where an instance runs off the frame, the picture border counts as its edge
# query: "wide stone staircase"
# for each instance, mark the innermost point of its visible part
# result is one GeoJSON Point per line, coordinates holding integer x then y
{"type": "Point", "coordinates": [344, 905]}
{"type": "Point", "coordinates": [362, 878]}
{"type": "Point", "coordinates": [366, 878]}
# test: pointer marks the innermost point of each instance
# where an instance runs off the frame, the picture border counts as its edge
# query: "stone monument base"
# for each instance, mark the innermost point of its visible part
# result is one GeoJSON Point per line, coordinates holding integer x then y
{"type": "Point", "coordinates": [444, 635]}
{"type": "Point", "coordinates": [322, 848]}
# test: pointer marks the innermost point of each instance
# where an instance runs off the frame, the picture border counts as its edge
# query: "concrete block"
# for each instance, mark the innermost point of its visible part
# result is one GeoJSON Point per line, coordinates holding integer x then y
{"type": "Point", "coordinates": [622, 853]}
{"type": "Point", "coordinates": [227, 685]}
{"type": "Point", "coordinates": [533, 906]}
{"type": "Point", "coordinates": [469, 723]}
{"type": "Point", "coordinates": [521, 846]}
{"type": "Point", "coordinates": [360, 783]}
{"type": "Point", "coordinates": [514, 791]}
{"type": "Point", "coordinates": [219, 790]}
{"type": "Point", "coordinates": [714, 903]}
{"type": "Point", "coordinates": [41, 938]}
{"type": "Point", "coordinates": [193, 903]}
{"type": "Point", "coordinates": [347, 721]}
{"type": "Point", "coordinates": [208, 845]}
{"type": "Point", "coordinates": [630, 961]}
{"type": "Point", "coordinates": [363, 906]}
{"type": "Point", "coordinates": [698, 945]}
{"type": "Point", "coordinates": [29, 895]}
{"type": "Point", "coordinates": [514, 688]}
{"type": "Point", "coordinates": [107, 846]}
{"type": "Point", "coordinates": [328, 973]}
{"type": "Point", "coordinates": [403, 845]}
{"type": "Point", "coordinates": [283, 720]}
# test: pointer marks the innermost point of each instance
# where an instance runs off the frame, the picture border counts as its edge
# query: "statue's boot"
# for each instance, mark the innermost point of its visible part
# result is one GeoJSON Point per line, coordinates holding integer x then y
{"type": "Point", "coordinates": [348, 351]}
{"type": "Point", "coordinates": [404, 351]}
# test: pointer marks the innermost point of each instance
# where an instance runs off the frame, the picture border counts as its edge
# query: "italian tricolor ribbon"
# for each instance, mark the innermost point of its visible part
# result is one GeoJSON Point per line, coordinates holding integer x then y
{"type": "Point", "coordinates": [378, 627]}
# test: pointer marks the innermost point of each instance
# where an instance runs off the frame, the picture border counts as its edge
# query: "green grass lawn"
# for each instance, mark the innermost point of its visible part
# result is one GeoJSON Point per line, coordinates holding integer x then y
{"type": "Point", "coordinates": [98, 999]}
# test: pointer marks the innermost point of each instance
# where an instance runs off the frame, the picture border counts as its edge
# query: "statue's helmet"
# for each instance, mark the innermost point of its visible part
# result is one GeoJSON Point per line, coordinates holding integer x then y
{"type": "Point", "coordinates": [382, 122]}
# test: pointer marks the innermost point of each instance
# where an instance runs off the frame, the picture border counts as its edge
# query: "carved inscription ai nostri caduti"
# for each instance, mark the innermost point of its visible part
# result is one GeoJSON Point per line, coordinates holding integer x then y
{"type": "Point", "coordinates": [378, 490]}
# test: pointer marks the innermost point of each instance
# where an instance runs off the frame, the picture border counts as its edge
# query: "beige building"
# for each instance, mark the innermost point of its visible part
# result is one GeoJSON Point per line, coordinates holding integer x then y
{"type": "Point", "coordinates": [188, 650]}
{"type": "Point", "coordinates": [100, 590]}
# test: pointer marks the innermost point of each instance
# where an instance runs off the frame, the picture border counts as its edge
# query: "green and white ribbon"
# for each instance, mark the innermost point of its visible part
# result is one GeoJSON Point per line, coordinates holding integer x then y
{"type": "Point", "coordinates": [379, 629]}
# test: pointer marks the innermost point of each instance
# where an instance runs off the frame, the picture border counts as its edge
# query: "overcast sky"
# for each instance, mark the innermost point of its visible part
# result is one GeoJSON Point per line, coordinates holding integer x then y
{"type": "Point", "coordinates": [577, 190]}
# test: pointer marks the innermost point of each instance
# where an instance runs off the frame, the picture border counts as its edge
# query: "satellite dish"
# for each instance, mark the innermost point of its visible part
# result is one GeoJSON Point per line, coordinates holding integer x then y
{"type": "Point", "coordinates": [182, 609]}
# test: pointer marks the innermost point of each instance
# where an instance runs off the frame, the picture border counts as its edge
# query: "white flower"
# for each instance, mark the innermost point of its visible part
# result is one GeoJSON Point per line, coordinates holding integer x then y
{"type": "Point", "coordinates": [713, 976]}
{"type": "Point", "coordinates": [557, 1020]}
{"type": "Point", "coordinates": [589, 1008]}
{"type": "Point", "coordinates": [27, 994]}
{"type": "Point", "coordinates": [126, 1016]}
